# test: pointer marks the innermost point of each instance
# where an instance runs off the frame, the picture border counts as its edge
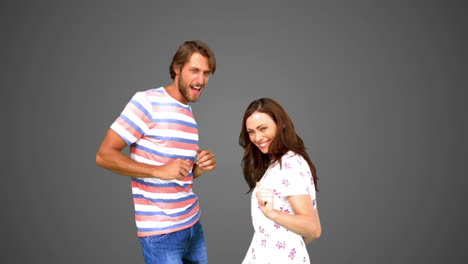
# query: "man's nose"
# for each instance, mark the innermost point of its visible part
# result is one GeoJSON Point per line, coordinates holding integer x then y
{"type": "Point", "coordinates": [199, 78]}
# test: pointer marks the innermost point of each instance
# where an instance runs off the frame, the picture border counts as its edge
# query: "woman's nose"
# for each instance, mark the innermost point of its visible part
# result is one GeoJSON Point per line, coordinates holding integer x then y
{"type": "Point", "coordinates": [258, 137]}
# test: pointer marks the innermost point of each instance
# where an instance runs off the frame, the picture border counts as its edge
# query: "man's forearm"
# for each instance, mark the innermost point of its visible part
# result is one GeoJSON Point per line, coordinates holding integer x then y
{"type": "Point", "coordinates": [124, 165]}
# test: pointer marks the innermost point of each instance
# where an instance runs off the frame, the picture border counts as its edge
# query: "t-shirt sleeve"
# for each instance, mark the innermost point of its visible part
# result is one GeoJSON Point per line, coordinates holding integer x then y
{"type": "Point", "coordinates": [296, 178]}
{"type": "Point", "coordinates": [135, 119]}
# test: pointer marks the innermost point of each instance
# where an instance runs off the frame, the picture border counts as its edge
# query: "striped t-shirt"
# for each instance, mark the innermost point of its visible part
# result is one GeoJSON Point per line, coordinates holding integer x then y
{"type": "Point", "coordinates": [158, 129]}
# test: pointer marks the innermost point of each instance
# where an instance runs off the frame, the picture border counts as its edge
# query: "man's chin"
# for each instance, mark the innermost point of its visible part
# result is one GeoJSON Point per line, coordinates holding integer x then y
{"type": "Point", "coordinates": [193, 99]}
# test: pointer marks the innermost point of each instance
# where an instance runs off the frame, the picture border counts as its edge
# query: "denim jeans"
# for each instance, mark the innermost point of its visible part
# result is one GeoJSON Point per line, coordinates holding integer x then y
{"type": "Point", "coordinates": [183, 246]}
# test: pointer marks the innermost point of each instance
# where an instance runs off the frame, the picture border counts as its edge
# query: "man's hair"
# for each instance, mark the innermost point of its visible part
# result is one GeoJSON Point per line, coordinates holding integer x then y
{"type": "Point", "coordinates": [185, 51]}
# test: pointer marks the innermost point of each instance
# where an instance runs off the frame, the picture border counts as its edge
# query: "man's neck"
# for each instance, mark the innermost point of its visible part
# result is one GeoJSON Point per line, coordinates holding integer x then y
{"type": "Point", "coordinates": [173, 91]}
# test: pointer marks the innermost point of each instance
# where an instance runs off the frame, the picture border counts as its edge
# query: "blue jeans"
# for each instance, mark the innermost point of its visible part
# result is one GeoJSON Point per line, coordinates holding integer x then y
{"type": "Point", "coordinates": [183, 246]}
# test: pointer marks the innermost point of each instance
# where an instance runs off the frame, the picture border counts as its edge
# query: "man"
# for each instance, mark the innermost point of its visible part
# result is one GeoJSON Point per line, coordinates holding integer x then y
{"type": "Point", "coordinates": [161, 131]}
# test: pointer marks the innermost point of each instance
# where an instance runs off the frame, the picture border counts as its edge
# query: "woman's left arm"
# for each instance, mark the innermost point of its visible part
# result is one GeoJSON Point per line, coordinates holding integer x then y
{"type": "Point", "coordinates": [305, 221]}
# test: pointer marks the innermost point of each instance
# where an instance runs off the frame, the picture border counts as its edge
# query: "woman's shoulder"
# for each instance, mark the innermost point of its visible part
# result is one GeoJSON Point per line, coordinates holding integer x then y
{"type": "Point", "coordinates": [293, 159]}
{"type": "Point", "coordinates": [288, 158]}
{"type": "Point", "coordinates": [291, 155]}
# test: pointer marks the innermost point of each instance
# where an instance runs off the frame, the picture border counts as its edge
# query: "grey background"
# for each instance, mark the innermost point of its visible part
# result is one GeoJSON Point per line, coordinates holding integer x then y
{"type": "Point", "coordinates": [375, 89]}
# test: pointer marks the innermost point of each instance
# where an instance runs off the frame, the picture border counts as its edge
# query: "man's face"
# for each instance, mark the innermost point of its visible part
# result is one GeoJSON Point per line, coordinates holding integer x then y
{"type": "Point", "coordinates": [193, 77]}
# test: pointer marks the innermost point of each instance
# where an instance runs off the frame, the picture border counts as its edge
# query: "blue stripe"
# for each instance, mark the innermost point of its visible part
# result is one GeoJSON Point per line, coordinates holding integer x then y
{"type": "Point", "coordinates": [137, 128]}
{"type": "Point", "coordinates": [192, 158]}
{"type": "Point", "coordinates": [193, 220]}
{"type": "Point", "coordinates": [171, 104]}
{"type": "Point", "coordinates": [168, 201]}
{"type": "Point", "coordinates": [186, 211]}
{"type": "Point", "coordinates": [139, 106]}
{"type": "Point", "coordinates": [175, 121]}
{"type": "Point", "coordinates": [161, 185]}
{"type": "Point", "coordinates": [176, 139]}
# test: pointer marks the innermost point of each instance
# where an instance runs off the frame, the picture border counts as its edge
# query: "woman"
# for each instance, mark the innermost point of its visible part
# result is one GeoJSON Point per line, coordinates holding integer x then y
{"type": "Point", "coordinates": [283, 179]}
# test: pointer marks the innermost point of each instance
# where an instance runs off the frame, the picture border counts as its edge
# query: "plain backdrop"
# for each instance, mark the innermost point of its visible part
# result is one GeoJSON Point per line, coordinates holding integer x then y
{"type": "Point", "coordinates": [376, 89]}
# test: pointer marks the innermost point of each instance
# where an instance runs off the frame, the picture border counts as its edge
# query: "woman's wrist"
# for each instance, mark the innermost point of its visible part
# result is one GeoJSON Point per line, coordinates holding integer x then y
{"type": "Point", "coordinates": [273, 215]}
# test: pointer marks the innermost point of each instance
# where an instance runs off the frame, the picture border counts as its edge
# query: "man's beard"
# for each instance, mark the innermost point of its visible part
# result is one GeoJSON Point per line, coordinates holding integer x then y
{"type": "Point", "coordinates": [184, 89]}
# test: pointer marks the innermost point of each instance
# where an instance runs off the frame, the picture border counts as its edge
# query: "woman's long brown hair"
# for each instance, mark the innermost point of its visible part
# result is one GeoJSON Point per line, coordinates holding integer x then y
{"type": "Point", "coordinates": [254, 162]}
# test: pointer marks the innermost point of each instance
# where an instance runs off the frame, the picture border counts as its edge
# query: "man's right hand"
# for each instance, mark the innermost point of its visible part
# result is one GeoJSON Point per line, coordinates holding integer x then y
{"type": "Point", "coordinates": [176, 169]}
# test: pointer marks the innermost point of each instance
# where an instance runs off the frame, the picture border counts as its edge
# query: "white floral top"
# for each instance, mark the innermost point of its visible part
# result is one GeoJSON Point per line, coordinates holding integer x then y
{"type": "Point", "coordinates": [271, 242]}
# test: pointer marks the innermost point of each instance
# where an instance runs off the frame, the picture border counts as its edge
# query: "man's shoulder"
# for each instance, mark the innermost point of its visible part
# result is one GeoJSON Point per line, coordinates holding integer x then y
{"type": "Point", "coordinates": [154, 91]}
{"type": "Point", "coordinates": [149, 94]}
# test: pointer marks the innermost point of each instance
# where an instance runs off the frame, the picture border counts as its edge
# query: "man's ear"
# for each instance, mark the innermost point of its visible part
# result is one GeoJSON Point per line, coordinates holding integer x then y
{"type": "Point", "coordinates": [176, 69]}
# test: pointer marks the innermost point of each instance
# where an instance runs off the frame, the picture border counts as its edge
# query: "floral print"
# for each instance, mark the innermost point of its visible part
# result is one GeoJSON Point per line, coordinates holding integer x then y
{"type": "Point", "coordinates": [292, 253]}
{"type": "Point", "coordinates": [261, 229]}
{"type": "Point", "coordinates": [280, 245]}
{"type": "Point", "coordinates": [272, 243]}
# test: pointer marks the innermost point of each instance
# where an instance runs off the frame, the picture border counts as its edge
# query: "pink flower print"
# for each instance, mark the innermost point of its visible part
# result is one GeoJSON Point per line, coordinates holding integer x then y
{"type": "Point", "coordinates": [264, 242]}
{"type": "Point", "coordinates": [287, 165]}
{"type": "Point", "coordinates": [285, 182]}
{"type": "Point", "coordinates": [292, 253]}
{"type": "Point", "coordinates": [287, 211]}
{"type": "Point", "coordinates": [261, 229]}
{"type": "Point", "coordinates": [280, 245]}
{"type": "Point", "coordinates": [304, 259]}
{"type": "Point", "coordinates": [277, 226]}
{"type": "Point", "coordinates": [277, 193]}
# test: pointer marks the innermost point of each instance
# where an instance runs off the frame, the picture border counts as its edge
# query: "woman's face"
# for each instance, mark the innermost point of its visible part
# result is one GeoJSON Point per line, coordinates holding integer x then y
{"type": "Point", "coordinates": [261, 129]}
